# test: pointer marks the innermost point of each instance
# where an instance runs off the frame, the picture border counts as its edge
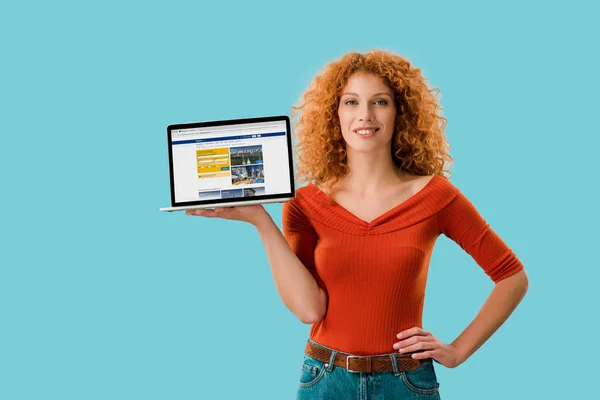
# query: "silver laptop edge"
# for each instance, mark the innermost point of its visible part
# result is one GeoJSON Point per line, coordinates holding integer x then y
{"type": "Point", "coordinates": [245, 203]}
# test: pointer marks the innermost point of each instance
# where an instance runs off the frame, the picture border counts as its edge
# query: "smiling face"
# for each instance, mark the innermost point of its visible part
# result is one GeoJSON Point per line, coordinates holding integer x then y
{"type": "Point", "coordinates": [367, 113]}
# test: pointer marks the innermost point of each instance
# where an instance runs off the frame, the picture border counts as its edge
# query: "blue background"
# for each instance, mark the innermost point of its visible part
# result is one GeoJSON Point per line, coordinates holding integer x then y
{"type": "Point", "coordinates": [104, 297]}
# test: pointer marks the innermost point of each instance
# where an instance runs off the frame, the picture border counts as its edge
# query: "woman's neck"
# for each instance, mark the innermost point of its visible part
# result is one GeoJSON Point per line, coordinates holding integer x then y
{"type": "Point", "coordinates": [370, 173]}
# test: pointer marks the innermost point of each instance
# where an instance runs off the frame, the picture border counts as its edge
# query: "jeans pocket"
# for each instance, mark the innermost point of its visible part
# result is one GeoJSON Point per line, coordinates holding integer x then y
{"type": "Point", "coordinates": [421, 380]}
{"type": "Point", "coordinates": [312, 372]}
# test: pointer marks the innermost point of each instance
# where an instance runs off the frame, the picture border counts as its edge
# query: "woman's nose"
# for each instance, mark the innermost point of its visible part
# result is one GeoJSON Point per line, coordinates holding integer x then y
{"type": "Point", "coordinates": [366, 117]}
{"type": "Point", "coordinates": [366, 114]}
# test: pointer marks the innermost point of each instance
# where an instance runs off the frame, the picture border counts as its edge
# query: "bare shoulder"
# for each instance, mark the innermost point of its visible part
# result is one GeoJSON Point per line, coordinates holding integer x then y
{"type": "Point", "coordinates": [415, 182]}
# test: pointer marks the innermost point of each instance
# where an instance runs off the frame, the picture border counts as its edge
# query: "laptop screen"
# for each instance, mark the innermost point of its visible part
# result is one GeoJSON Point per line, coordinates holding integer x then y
{"type": "Point", "coordinates": [235, 160]}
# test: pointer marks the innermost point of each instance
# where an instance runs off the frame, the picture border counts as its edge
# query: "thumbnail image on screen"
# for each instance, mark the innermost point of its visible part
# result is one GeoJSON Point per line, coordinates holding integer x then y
{"type": "Point", "coordinates": [246, 155]}
{"type": "Point", "coordinates": [247, 175]}
{"type": "Point", "coordinates": [254, 191]}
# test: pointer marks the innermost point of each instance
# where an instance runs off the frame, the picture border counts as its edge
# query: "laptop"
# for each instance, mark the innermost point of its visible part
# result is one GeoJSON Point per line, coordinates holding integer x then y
{"type": "Point", "coordinates": [230, 163]}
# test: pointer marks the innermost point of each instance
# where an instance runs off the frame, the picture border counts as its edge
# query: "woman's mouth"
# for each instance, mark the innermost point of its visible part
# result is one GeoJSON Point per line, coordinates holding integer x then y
{"type": "Point", "coordinates": [366, 132]}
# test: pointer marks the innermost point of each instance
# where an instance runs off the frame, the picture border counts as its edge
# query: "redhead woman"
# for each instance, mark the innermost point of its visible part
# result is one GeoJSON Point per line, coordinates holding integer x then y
{"type": "Point", "coordinates": [354, 254]}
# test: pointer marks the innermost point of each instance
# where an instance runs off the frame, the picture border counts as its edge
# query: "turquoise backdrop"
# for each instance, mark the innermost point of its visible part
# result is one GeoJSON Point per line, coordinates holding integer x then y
{"type": "Point", "coordinates": [104, 297]}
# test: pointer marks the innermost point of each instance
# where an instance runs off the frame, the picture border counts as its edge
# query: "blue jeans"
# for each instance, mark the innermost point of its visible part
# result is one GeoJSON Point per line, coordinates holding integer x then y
{"type": "Point", "coordinates": [318, 381]}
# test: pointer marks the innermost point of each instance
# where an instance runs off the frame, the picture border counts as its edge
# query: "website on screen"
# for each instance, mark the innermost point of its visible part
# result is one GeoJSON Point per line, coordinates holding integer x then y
{"type": "Point", "coordinates": [231, 161]}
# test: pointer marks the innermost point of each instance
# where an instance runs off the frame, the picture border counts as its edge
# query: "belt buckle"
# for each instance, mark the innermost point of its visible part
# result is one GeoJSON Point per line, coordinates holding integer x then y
{"type": "Point", "coordinates": [347, 365]}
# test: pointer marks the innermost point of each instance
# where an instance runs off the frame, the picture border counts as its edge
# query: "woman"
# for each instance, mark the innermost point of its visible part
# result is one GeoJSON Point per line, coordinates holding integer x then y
{"type": "Point", "coordinates": [358, 238]}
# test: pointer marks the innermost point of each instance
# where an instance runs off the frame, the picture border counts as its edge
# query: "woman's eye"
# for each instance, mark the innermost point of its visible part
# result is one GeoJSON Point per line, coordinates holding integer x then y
{"type": "Point", "coordinates": [378, 102]}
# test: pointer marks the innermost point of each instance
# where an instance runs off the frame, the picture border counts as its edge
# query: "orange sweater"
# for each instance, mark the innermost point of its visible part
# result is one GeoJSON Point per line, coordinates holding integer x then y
{"type": "Point", "coordinates": [375, 273]}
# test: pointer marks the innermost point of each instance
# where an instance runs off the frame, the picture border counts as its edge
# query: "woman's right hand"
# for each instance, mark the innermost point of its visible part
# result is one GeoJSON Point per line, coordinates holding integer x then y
{"type": "Point", "coordinates": [255, 214]}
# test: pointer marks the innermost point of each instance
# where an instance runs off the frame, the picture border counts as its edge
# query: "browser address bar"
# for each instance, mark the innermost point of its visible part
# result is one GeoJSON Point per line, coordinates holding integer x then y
{"type": "Point", "coordinates": [187, 132]}
{"type": "Point", "coordinates": [262, 128]}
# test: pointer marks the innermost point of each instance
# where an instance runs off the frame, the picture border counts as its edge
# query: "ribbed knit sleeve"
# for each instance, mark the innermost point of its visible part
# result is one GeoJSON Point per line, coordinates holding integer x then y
{"type": "Point", "coordinates": [461, 222]}
{"type": "Point", "coordinates": [301, 237]}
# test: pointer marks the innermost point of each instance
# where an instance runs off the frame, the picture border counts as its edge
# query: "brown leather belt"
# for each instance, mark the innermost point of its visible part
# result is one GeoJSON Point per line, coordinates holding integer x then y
{"type": "Point", "coordinates": [383, 363]}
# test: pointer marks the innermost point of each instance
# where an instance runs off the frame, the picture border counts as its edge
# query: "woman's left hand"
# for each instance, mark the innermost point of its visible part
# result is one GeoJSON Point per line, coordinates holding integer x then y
{"type": "Point", "coordinates": [415, 338]}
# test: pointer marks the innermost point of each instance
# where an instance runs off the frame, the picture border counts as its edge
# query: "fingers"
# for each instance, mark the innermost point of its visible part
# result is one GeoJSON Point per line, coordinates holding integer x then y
{"type": "Point", "coordinates": [415, 330]}
{"type": "Point", "coordinates": [222, 212]}
{"type": "Point", "coordinates": [425, 354]}
{"type": "Point", "coordinates": [423, 344]}
{"type": "Point", "coordinates": [203, 213]}
{"type": "Point", "coordinates": [412, 340]}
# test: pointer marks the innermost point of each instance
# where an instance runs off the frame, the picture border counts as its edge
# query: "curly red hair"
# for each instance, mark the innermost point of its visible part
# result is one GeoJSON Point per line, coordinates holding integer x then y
{"type": "Point", "coordinates": [419, 145]}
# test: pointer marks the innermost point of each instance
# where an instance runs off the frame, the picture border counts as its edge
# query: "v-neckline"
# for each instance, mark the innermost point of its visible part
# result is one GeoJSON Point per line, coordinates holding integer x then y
{"type": "Point", "coordinates": [353, 217]}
